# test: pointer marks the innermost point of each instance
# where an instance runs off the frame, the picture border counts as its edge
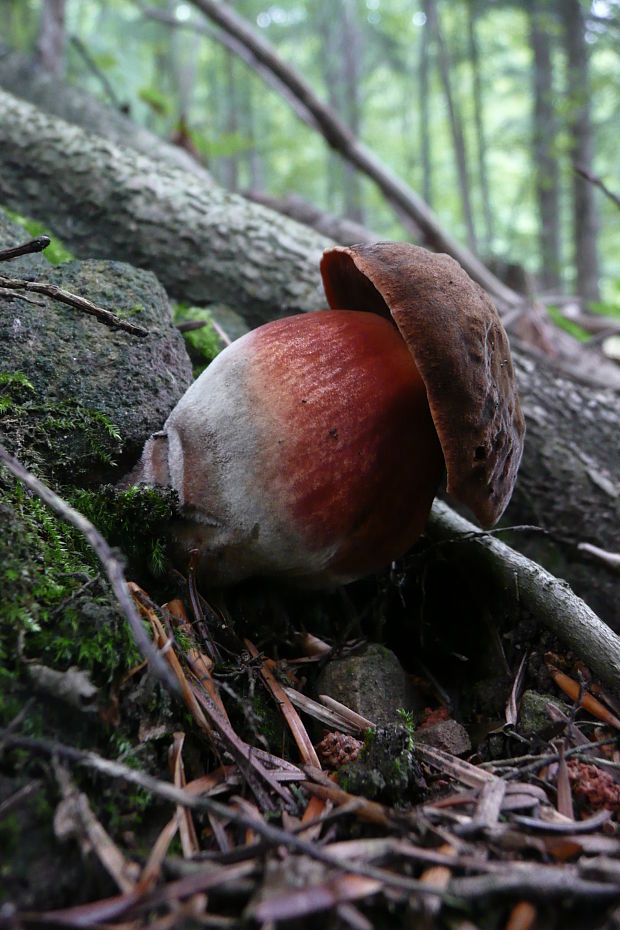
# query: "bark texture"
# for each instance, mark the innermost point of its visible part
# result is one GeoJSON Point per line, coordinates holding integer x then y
{"type": "Point", "coordinates": [25, 78]}
{"type": "Point", "coordinates": [207, 245]}
{"type": "Point", "coordinates": [569, 482]}
{"type": "Point", "coordinates": [204, 243]}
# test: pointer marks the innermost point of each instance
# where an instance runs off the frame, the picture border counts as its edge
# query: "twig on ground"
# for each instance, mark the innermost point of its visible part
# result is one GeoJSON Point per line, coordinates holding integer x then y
{"type": "Point", "coordinates": [550, 600]}
{"type": "Point", "coordinates": [27, 248]}
{"type": "Point", "coordinates": [110, 562]}
{"type": "Point", "coordinates": [300, 735]}
{"type": "Point", "coordinates": [610, 559]}
{"type": "Point", "coordinates": [273, 835]}
{"type": "Point", "coordinates": [73, 300]}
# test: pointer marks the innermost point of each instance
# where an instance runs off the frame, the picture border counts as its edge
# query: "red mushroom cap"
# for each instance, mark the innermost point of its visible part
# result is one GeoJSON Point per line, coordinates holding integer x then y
{"type": "Point", "coordinates": [461, 350]}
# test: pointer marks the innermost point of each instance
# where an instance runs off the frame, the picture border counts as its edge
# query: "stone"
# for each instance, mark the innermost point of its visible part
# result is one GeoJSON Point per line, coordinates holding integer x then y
{"type": "Point", "coordinates": [95, 393]}
{"type": "Point", "coordinates": [533, 720]}
{"type": "Point", "coordinates": [449, 735]}
{"type": "Point", "coordinates": [373, 683]}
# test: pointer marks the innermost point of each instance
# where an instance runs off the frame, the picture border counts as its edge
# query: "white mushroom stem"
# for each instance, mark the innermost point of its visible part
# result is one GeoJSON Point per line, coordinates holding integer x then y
{"type": "Point", "coordinates": [548, 599]}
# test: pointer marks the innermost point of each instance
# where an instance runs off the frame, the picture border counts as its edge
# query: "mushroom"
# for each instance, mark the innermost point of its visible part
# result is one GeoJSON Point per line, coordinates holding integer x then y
{"type": "Point", "coordinates": [312, 448]}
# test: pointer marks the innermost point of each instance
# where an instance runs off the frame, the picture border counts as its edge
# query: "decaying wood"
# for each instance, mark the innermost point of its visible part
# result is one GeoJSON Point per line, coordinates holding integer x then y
{"type": "Point", "coordinates": [225, 249]}
{"type": "Point", "coordinates": [341, 230]}
{"type": "Point", "coordinates": [549, 600]}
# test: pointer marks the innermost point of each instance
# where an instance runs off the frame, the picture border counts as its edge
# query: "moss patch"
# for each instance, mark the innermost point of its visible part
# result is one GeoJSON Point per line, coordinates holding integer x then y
{"type": "Point", "coordinates": [202, 344]}
{"type": "Point", "coordinates": [54, 436]}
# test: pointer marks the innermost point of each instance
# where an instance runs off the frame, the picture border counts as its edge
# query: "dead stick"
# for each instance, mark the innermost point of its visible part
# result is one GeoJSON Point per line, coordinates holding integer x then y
{"type": "Point", "coordinates": [33, 245]}
{"type": "Point", "coordinates": [275, 836]}
{"type": "Point", "coordinates": [549, 599]}
{"type": "Point", "coordinates": [80, 303]}
{"type": "Point", "coordinates": [597, 182]}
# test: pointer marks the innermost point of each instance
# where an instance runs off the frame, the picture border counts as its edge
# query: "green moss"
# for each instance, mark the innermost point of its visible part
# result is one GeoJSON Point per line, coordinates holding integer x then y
{"type": "Point", "coordinates": [55, 607]}
{"type": "Point", "coordinates": [56, 252]}
{"type": "Point", "coordinates": [202, 344]}
{"type": "Point", "coordinates": [386, 768]}
{"type": "Point", "coordinates": [57, 436]}
{"type": "Point", "coordinates": [134, 519]}
{"type": "Point", "coordinates": [564, 323]}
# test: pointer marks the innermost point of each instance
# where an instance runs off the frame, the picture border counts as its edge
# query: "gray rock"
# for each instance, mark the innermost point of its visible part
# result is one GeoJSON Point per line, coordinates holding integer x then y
{"type": "Point", "coordinates": [533, 717]}
{"type": "Point", "coordinates": [373, 683]}
{"type": "Point", "coordinates": [448, 735]}
{"type": "Point", "coordinates": [97, 393]}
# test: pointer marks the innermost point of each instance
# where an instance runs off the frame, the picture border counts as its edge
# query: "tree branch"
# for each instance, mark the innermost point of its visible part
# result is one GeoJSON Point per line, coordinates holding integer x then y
{"type": "Point", "coordinates": [340, 138]}
{"type": "Point", "coordinates": [73, 300]}
{"type": "Point", "coordinates": [549, 600]}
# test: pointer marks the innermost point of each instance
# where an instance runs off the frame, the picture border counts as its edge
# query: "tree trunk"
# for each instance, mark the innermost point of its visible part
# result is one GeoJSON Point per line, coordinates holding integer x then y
{"type": "Point", "coordinates": [351, 58]}
{"type": "Point", "coordinates": [337, 134]}
{"type": "Point", "coordinates": [456, 124]}
{"type": "Point", "coordinates": [208, 245]}
{"type": "Point", "coordinates": [483, 174]}
{"type": "Point", "coordinates": [582, 150]}
{"type": "Point", "coordinates": [230, 163]}
{"type": "Point", "coordinates": [544, 133]}
{"type": "Point", "coordinates": [340, 63]}
{"type": "Point", "coordinates": [425, 127]}
{"type": "Point", "coordinates": [51, 42]}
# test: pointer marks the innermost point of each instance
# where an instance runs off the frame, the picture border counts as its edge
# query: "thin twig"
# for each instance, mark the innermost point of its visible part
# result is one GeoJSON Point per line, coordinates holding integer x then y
{"type": "Point", "coordinates": [273, 835]}
{"type": "Point", "coordinates": [27, 248]}
{"type": "Point", "coordinates": [73, 300]}
{"type": "Point", "coordinates": [549, 600]}
{"type": "Point", "coordinates": [111, 563]}
{"type": "Point", "coordinates": [597, 182]}
{"type": "Point", "coordinates": [5, 292]}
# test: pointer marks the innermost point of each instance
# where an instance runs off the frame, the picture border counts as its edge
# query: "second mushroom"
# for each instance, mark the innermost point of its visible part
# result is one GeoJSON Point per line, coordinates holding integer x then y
{"type": "Point", "coordinates": [311, 449]}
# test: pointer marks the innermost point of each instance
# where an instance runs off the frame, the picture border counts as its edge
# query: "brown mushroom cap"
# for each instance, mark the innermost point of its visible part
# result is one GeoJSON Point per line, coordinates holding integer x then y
{"type": "Point", "coordinates": [461, 349]}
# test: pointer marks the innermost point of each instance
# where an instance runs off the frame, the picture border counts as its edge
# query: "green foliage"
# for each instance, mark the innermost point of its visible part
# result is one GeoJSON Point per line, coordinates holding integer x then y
{"type": "Point", "coordinates": [202, 344]}
{"type": "Point", "coordinates": [134, 519]}
{"type": "Point", "coordinates": [225, 145]}
{"type": "Point", "coordinates": [159, 102]}
{"type": "Point", "coordinates": [564, 323]}
{"type": "Point", "coordinates": [55, 606]}
{"type": "Point", "coordinates": [56, 252]}
{"type": "Point", "coordinates": [63, 431]}
{"type": "Point", "coordinates": [407, 720]}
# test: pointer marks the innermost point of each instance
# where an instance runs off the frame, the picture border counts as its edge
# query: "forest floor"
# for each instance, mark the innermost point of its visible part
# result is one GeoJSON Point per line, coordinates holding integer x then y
{"type": "Point", "coordinates": [263, 803]}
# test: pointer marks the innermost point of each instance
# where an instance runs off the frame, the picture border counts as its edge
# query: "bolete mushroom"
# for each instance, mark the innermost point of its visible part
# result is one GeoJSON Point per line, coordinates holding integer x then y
{"type": "Point", "coordinates": [311, 449]}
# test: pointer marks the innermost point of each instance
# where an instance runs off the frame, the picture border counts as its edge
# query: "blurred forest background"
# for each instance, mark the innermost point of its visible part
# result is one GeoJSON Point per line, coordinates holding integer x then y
{"type": "Point", "coordinates": [484, 108]}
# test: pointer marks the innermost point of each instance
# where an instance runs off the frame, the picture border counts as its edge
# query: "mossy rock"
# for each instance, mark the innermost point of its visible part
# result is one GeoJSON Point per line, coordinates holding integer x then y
{"type": "Point", "coordinates": [88, 395]}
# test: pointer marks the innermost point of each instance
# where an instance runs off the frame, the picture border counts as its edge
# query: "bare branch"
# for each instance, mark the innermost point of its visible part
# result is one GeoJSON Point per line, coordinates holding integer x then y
{"type": "Point", "coordinates": [33, 245]}
{"type": "Point", "coordinates": [550, 600]}
{"type": "Point", "coordinates": [597, 182]}
{"type": "Point", "coordinates": [73, 300]}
